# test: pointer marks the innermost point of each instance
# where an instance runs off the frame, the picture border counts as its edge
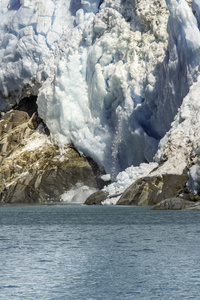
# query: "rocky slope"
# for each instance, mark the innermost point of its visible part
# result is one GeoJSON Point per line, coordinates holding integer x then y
{"type": "Point", "coordinates": [33, 170]}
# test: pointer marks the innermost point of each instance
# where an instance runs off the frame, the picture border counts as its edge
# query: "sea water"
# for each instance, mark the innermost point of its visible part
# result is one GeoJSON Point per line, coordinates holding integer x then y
{"type": "Point", "coordinates": [98, 252]}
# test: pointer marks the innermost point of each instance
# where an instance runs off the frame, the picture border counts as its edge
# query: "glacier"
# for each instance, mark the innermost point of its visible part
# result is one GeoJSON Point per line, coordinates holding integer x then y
{"type": "Point", "coordinates": [111, 77]}
{"type": "Point", "coordinates": [101, 82]}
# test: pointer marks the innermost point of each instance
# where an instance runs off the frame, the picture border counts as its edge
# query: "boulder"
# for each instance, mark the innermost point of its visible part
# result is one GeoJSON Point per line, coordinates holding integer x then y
{"type": "Point", "coordinates": [96, 198]}
{"type": "Point", "coordinates": [174, 203]}
{"type": "Point", "coordinates": [153, 189]}
{"type": "Point", "coordinates": [196, 206]}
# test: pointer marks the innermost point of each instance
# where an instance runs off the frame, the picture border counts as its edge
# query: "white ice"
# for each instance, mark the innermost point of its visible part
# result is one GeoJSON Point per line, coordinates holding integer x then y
{"type": "Point", "coordinates": [100, 83]}
{"type": "Point", "coordinates": [77, 195]}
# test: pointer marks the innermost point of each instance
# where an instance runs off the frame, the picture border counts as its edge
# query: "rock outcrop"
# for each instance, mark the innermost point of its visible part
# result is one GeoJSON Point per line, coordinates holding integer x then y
{"type": "Point", "coordinates": [174, 203]}
{"type": "Point", "coordinates": [153, 189]}
{"type": "Point", "coordinates": [32, 169]}
{"type": "Point", "coordinates": [96, 198]}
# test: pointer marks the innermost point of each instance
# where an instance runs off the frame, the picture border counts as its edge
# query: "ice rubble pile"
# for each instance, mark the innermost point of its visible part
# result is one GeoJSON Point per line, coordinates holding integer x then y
{"type": "Point", "coordinates": [110, 75]}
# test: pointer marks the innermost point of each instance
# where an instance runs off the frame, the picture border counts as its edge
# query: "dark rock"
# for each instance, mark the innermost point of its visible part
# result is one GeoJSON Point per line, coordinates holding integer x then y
{"type": "Point", "coordinates": [152, 190]}
{"type": "Point", "coordinates": [196, 206]}
{"type": "Point", "coordinates": [13, 131]}
{"type": "Point", "coordinates": [34, 121]}
{"type": "Point", "coordinates": [39, 172]}
{"type": "Point", "coordinates": [174, 203]}
{"type": "Point", "coordinates": [97, 172]}
{"type": "Point", "coordinates": [28, 105]}
{"type": "Point", "coordinates": [187, 195]}
{"type": "Point", "coordinates": [47, 185]}
{"type": "Point", "coordinates": [21, 192]}
{"type": "Point", "coordinates": [96, 198]}
{"type": "Point", "coordinates": [11, 120]}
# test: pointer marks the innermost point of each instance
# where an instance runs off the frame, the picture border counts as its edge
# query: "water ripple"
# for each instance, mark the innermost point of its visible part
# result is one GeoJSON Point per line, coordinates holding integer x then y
{"type": "Point", "coordinates": [111, 253]}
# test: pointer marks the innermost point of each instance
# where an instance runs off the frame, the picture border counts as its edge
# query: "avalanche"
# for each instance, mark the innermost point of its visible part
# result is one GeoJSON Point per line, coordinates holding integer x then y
{"type": "Point", "coordinates": [110, 75]}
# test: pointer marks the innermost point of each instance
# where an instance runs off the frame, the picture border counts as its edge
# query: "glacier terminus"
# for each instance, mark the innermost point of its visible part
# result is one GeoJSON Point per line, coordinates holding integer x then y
{"type": "Point", "coordinates": [117, 79]}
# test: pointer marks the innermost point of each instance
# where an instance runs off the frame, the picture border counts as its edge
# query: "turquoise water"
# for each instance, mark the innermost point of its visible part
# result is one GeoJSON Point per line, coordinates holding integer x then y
{"type": "Point", "coordinates": [98, 252]}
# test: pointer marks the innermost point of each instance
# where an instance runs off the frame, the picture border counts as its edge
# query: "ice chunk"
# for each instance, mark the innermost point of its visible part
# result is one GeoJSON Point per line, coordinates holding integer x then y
{"type": "Point", "coordinates": [78, 194]}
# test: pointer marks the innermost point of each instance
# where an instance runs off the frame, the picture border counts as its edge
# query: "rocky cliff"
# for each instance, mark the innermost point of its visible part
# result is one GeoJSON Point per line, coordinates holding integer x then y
{"type": "Point", "coordinates": [34, 170]}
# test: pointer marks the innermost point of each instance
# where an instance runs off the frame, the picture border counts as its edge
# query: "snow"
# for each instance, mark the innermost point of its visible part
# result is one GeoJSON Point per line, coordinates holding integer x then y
{"type": "Point", "coordinates": [110, 78]}
{"type": "Point", "coordinates": [128, 176]}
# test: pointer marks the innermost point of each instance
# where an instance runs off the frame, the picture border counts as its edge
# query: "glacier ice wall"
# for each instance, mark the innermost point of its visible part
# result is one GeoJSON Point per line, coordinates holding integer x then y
{"type": "Point", "coordinates": [181, 65]}
{"type": "Point", "coordinates": [179, 148]}
{"type": "Point", "coordinates": [108, 75]}
{"type": "Point", "coordinates": [29, 33]}
{"type": "Point", "coordinates": [102, 81]}
{"type": "Point", "coordinates": [181, 70]}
